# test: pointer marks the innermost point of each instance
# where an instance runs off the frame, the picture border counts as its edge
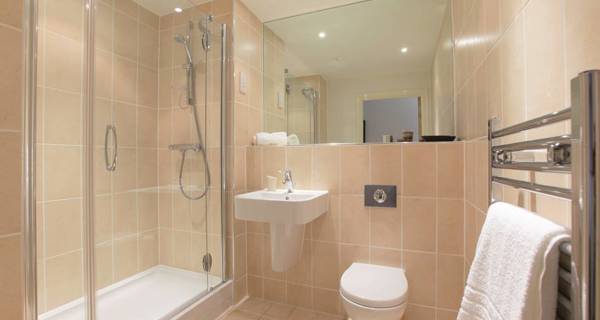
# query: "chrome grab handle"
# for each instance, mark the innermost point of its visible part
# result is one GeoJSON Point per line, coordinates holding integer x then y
{"type": "Point", "coordinates": [110, 165]}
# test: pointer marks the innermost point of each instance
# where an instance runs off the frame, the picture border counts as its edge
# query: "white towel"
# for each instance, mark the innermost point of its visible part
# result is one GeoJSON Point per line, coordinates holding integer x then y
{"type": "Point", "coordinates": [275, 138]}
{"type": "Point", "coordinates": [514, 275]}
{"type": "Point", "coordinates": [293, 140]}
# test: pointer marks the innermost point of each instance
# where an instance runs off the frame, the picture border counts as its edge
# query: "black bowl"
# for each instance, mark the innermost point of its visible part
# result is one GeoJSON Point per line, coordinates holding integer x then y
{"type": "Point", "coordinates": [437, 138]}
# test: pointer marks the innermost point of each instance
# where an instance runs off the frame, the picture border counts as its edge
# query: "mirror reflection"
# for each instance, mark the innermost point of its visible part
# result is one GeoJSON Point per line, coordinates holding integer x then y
{"type": "Point", "coordinates": [334, 76]}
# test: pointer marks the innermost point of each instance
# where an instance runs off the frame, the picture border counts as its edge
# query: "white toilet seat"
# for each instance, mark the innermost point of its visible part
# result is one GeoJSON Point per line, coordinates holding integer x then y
{"type": "Point", "coordinates": [372, 292]}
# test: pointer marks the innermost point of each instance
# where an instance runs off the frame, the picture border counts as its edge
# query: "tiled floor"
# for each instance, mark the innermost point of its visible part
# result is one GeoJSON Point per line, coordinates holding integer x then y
{"type": "Point", "coordinates": [257, 309]}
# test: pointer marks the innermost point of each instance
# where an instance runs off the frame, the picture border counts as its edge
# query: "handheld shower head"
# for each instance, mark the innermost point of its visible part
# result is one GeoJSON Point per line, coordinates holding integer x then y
{"type": "Point", "coordinates": [310, 93]}
{"type": "Point", "coordinates": [185, 41]}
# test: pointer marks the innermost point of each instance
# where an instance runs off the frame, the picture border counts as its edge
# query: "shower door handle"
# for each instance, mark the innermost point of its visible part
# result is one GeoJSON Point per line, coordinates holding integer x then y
{"type": "Point", "coordinates": [111, 165]}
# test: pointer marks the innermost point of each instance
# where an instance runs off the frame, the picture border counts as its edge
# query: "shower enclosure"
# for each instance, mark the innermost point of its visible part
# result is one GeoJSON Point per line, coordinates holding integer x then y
{"type": "Point", "coordinates": [305, 114]}
{"type": "Point", "coordinates": [127, 158]}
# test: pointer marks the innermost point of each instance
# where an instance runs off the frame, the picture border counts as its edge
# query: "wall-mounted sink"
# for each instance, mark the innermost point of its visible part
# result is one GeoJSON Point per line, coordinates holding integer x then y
{"type": "Point", "coordinates": [298, 207]}
{"type": "Point", "coordinates": [287, 215]}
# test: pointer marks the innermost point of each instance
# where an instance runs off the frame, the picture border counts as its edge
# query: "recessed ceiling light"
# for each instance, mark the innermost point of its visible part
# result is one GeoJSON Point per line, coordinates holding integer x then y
{"type": "Point", "coordinates": [404, 50]}
{"type": "Point", "coordinates": [322, 34]}
{"type": "Point", "coordinates": [178, 10]}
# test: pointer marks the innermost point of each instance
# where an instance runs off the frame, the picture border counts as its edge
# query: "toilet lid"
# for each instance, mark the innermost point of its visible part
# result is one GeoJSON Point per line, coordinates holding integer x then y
{"type": "Point", "coordinates": [374, 286]}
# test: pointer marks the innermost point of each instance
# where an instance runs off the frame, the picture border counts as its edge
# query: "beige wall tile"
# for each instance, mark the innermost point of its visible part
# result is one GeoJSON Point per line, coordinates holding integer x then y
{"type": "Point", "coordinates": [126, 36]}
{"type": "Point", "coordinates": [419, 224]}
{"type": "Point", "coordinates": [386, 165]}
{"type": "Point", "coordinates": [148, 211]}
{"type": "Point", "coordinates": [544, 57]}
{"type": "Point", "coordinates": [64, 279]}
{"type": "Point", "coordinates": [125, 174]}
{"type": "Point", "coordinates": [450, 168]}
{"type": "Point", "coordinates": [10, 74]}
{"type": "Point", "coordinates": [416, 312]}
{"type": "Point", "coordinates": [149, 46]}
{"type": "Point", "coordinates": [104, 264]}
{"type": "Point", "coordinates": [420, 268]}
{"type": "Point", "coordinates": [419, 170]}
{"type": "Point", "coordinates": [355, 220]}
{"type": "Point", "coordinates": [11, 13]}
{"type": "Point", "coordinates": [165, 246]}
{"type": "Point", "coordinates": [65, 70]}
{"type": "Point", "coordinates": [327, 301]}
{"type": "Point", "coordinates": [65, 17]}
{"type": "Point", "coordinates": [386, 257]}
{"type": "Point", "coordinates": [298, 295]}
{"type": "Point", "coordinates": [299, 160]}
{"type": "Point", "coordinates": [386, 227]}
{"type": "Point", "coordinates": [274, 290]}
{"type": "Point", "coordinates": [350, 254]}
{"type": "Point", "coordinates": [125, 215]}
{"type": "Point", "coordinates": [62, 172]}
{"type": "Point", "coordinates": [326, 164]}
{"type": "Point", "coordinates": [147, 90]}
{"type": "Point", "coordinates": [301, 273]}
{"type": "Point", "coordinates": [10, 175]}
{"type": "Point", "coordinates": [581, 40]}
{"type": "Point", "coordinates": [450, 281]}
{"type": "Point", "coordinates": [325, 265]}
{"type": "Point", "coordinates": [355, 169]}
{"type": "Point", "coordinates": [104, 27]}
{"type": "Point", "coordinates": [327, 226]}
{"type": "Point", "coordinates": [10, 276]}
{"type": "Point", "coordinates": [446, 315]}
{"type": "Point", "coordinates": [450, 226]}
{"type": "Point", "coordinates": [125, 80]}
{"type": "Point", "coordinates": [148, 243]}
{"type": "Point", "coordinates": [103, 218]}
{"type": "Point", "coordinates": [147, 168]}
{"type": "Point", "coordinates": [256, 252]}
{"type": "Point", "coordinates": [126, 257]}
{"type": "Point", "coordinates": [239, 257]}
{"type": "Point", "coordinates": [62, 226]}
{"type": "Point", "coordinates": [513, 74]}
{"type": "Point", "coordinates": [62, 117]}
{"type": "Point", "coordinates": [128, 7]}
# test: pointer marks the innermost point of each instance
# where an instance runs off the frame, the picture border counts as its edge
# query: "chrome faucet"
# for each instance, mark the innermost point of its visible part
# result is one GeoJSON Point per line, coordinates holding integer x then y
{"type": "Point", "coordinates": [288, 181]}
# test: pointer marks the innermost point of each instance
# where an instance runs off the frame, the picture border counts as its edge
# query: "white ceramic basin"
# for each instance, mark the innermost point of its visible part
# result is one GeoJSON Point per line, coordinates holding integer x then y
{"type": "Point", "coordinates": [287, 214]}
{"type": "Point", "coordinates": [280, 207]}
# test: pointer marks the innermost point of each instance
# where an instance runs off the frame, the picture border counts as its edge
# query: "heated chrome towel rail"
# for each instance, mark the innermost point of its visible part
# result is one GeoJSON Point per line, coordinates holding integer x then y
{"type": "Point", "coordinates": [573, 154]}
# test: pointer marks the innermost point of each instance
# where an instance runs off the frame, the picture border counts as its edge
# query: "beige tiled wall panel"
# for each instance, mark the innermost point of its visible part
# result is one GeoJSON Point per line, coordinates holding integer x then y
{"type": "Point", "coordinates": [424, 234]}
{"type": "Point", "coordinates": [520, 67]}
{"type": "Point", "coordinates": [11, 303]}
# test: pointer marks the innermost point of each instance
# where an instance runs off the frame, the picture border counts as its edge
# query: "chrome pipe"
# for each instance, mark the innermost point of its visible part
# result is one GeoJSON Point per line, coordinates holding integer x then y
{"type": "Point", "coordinates": [585, 99]}
{"type": "Point", "coordinates": [547, 119]}
{"type": "Point", "coordinates": [28, 194]}
{"type": "Point", "coordinates": [89, 283]}
{"type": "Point", "coordinates": [564, 140]}
{"type": "Point", "coordinates": [533, 166]}
{"type": "Point", "coordinates": [223, 145]}
{"type": "Point", "coordinates": [534, 187]}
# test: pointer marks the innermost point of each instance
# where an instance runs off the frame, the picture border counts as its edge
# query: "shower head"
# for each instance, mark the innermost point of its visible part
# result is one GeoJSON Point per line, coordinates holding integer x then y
{"type": "Point", "coordinates": [185, 41]}
{"type": "Point", "coordinates": [310, 93]}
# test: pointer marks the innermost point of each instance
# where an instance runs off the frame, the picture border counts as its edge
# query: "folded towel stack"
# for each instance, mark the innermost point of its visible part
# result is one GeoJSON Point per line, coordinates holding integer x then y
{"type": "Point", "coordinates": [275, 138]}
{"type": "Point", "coordinates": [515, 270]}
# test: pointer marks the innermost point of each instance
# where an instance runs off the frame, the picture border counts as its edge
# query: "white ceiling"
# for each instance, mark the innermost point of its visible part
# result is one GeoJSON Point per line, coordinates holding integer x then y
{"type": "Point", "coordinates": [267, 10]}
{"type": "Point", "coordinates": [164, 7]}
{"type": "Point", "coordinates": [363, 39]}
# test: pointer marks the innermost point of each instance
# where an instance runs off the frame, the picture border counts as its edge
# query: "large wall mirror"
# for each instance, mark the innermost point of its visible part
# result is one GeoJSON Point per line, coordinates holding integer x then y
{"type": "Point", "coordinates": [373, 71]}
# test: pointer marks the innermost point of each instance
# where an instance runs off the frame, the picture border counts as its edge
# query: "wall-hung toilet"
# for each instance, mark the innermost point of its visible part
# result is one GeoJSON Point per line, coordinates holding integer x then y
{"type": "Point", "coordinates": [372, 292]}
